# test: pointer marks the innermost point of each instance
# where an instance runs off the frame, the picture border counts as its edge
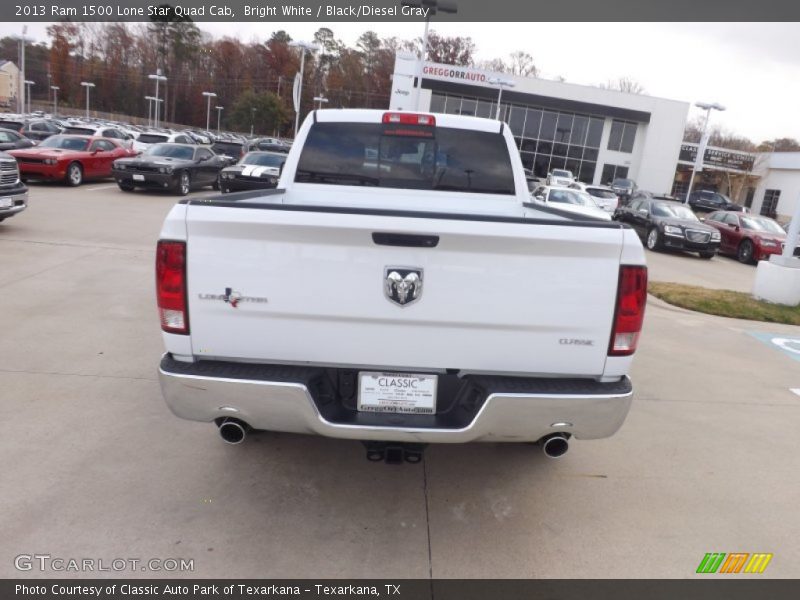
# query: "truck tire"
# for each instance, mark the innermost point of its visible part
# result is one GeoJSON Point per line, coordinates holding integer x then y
{"type": "Point", "coordinates": [74, 174]}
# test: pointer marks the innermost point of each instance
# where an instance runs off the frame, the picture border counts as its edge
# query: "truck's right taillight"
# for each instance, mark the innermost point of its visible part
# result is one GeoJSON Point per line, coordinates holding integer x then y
{"type": "Point", "coordinates": [629, 313]}
{"type": "Point", "coordinates": [171, 286]}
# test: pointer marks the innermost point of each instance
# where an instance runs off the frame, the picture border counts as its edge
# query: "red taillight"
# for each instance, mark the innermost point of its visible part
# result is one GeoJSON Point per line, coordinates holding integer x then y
{"type": "Point", "coordinates": [171, 286]}
{"type": "Point", "coordinates": [408, 119]}
{"type": "Point", "coordinates": [629, 315]}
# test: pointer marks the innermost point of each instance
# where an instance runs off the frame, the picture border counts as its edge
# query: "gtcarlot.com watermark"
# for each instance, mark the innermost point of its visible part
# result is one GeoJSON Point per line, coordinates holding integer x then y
{"type": "Point", "coordinates": [55, 564]}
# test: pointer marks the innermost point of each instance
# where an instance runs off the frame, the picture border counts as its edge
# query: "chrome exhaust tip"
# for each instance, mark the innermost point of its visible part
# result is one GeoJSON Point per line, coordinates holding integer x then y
{"type": "Point", "coordinates": [555, 446]}
{"type": "Point", "coordinates": [233, 431]}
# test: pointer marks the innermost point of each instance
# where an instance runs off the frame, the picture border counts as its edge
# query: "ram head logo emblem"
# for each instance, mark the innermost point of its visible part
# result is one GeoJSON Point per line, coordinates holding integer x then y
{"type": "Point", "coordinates": [402, 285]}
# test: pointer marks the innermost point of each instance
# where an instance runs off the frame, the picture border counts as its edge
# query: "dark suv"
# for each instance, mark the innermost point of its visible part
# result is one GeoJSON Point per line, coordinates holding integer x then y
{"type": "Point", "coordinates": [706, 200]}
{"type": "Point", "coordinates": [624, 188]}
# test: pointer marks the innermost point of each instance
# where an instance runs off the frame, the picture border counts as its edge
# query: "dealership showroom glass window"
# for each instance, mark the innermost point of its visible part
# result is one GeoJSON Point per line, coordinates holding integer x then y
{"type": "Point", "coordinates": [547, 139]}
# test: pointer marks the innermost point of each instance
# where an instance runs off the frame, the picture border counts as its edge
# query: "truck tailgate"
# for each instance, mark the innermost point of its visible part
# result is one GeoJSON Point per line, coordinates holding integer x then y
{"type": "Point", "coordinates": [308, 286]}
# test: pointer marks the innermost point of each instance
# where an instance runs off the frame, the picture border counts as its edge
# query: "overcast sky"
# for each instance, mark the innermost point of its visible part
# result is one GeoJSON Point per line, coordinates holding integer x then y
{"type": "Point", "coordinates": [751, 68]}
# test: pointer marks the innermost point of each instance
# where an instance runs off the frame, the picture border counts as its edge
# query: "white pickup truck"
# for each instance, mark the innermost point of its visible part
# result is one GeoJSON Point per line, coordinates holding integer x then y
{"type": "Point", "coordinates": [398, 287]}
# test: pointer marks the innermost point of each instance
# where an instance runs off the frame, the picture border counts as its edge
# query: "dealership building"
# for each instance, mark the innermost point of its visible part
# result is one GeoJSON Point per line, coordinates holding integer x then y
{"type": "Point", "coordinates": [596, 133]}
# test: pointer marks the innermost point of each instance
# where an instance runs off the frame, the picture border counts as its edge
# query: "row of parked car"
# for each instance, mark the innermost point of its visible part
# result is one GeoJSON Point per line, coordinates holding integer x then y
{"type": "Point", "coordinates": [667, 222]}
{"type": "Point", "coordinates": [77, 150]}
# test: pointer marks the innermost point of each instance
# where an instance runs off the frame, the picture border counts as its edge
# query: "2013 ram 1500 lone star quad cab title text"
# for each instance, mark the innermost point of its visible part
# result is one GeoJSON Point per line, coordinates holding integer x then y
{"type": "Point", "coordinates": [398, 287]}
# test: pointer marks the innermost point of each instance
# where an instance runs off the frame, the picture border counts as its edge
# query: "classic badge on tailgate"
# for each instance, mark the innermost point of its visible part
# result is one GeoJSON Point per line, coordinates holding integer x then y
{"type": "Point", "coordinates": [402, 285]}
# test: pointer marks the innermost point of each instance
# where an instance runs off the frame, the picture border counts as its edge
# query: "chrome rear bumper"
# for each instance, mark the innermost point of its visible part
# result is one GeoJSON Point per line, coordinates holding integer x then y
{"type": "Point", "coordinates": [279, 399]}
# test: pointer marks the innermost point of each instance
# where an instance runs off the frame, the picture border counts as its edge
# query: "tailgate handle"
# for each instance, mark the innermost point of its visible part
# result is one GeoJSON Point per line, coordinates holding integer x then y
{"type": "Point", "coordinates": [406, 240]}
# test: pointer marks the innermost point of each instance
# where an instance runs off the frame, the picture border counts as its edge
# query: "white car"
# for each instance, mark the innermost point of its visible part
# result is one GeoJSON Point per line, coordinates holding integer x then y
{"type": "Point", "coordinates": [98, 130]}
{"type": "Point", "coordinates": [568, 200]}
{"type": "Point", "coordinates": [603, 195]}
{"type": "Point", "coordinates": [147, 138]}
{"type": "Point", "coordinates": [560, 177]}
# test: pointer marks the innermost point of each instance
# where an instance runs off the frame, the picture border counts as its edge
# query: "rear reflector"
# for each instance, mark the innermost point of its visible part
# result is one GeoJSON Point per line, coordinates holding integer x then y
{"type": "Point", "coordinates": [409, 119]}
{"type": "Point", "coordinates": [171, 286]}
{"type": "Point", "coordinates": [629, 315]}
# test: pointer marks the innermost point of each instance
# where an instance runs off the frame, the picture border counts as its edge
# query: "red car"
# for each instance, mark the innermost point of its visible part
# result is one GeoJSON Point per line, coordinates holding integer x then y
{"type": "Point", "coordinates": [750, 238]}
{"type": "Point", "coordinates": [70, 158]}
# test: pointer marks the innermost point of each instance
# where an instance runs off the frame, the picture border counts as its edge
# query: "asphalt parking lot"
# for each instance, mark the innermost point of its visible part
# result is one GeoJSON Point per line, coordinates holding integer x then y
{"type": "Point", "coordinates": [95, 466]}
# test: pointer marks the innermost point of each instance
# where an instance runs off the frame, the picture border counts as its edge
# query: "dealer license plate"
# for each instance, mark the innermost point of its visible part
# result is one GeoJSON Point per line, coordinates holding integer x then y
{"type": "Point", "coordinates": [6, 202]}
{"type": "Point", "coordinates": [408, 393]}
{"type": "Point", "coordinates": [138, 177]}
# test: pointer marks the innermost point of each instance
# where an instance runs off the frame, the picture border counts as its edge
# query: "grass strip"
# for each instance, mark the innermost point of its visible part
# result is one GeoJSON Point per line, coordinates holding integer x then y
{"type": "Point", "coordinates": [724, 303]}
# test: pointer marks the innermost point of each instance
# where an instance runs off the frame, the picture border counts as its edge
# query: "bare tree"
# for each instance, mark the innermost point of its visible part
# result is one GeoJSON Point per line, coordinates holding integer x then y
{"type": "Point", "coordinates": [779, 145]}
{"type": "Point", "coordinates": [718, 136]}
{"type": "Point", "coordinates": [522, 64]}
{"type": "Point", "coordinates": [624, 84]}
{"type": "Point", "coordinates": [496, 64]}
{"type": "Point", "coordinates": [519, 63]}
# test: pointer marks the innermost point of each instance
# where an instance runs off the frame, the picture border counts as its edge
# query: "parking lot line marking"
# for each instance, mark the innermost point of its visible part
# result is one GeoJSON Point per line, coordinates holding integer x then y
{"type": "Point", "coordinates": [795, 391]}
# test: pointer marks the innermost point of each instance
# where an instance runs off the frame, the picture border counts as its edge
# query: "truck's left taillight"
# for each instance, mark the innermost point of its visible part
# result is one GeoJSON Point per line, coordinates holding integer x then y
{"type": "Point", "coordinates": [171, 286]}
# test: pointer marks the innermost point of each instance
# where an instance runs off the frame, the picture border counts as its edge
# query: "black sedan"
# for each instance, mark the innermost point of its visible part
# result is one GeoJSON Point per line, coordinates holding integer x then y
{"type": "Point", "coordinates": [269, 144]}
{"type": "Point", "coordinates": [176, 167]}
{"type": "Point", "coordinates": [257, 170]}
{"type": "Point", "coordinates": [40, 129]}
{"type": "Point", "coordinates": [11, 140]}
{"type": "Point", "coordinates": [665, 224]}
{"type": "Point", "coordinates": [706, 200]}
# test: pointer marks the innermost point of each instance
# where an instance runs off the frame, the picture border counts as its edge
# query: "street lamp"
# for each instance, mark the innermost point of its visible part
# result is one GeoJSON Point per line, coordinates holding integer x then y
{"type": "Point", "coordinates": [21, 88]}
{"type": "Point", "coordinates": [157, 77]}
{"type": "Point", "coordinates": [432, 7]}
{"type": "Point", "coordinates": [209, 96]}
{"type": "Point", "coordinates": [88, 85]}
{"type": "Point", "coordinates": [252, 119]}
{"type": "Point", "coordinates": [149, 110]}
{"type": "Point", "coordinates": [500, 83]}
{"type": "Point", "coordinates": [55, 89]}
{"type": "Point", "coordinates": [29, 83]}
{"type": "Point", "coordinates": [701, 148]}
{"type": "Point", "coordinates": [219, 114]}
{"type": "Point", "coordinates": [298, 99]}
{"type": "Point", "coordinates": [320, 99]}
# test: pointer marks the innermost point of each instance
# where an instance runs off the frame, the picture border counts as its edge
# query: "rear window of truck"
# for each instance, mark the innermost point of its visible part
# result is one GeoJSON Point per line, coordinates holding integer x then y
{"type": "Point", "coordinates": [418, 157]}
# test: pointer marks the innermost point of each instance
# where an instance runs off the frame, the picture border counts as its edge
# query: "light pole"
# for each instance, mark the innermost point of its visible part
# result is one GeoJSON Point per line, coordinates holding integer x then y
{"type": "Point", "coordinates": [21, 83]}
{"type": "Point", "coordinates": [701, 147]}
{"type": "Point", "coordinates": [209, 96]}
{"type": "Point", "coordinates": [88, 85]}
{"type": "Point", "coordinates": [252, 119]}
{"type": "Point", "coordinates": [320, 99]}
{"type": "Point", "coordinates": [55, 89]}
{"type": "Point", "coordinates": [29, 83]}
{"type": "Point", "coordinates": [22, 66]}
{"type": "Point", "coordinates": [149, 110]}
{"type": "Point", "coordinates": [500, 83]}
{"type": "Point", "coordinates": [219, 115]}
{"type": "Point", "coordinates": [157, 77]}
{"type": "Point", "coordinates": [303, 47]}
{"type": "Point", "coordinates": [432, 7]}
